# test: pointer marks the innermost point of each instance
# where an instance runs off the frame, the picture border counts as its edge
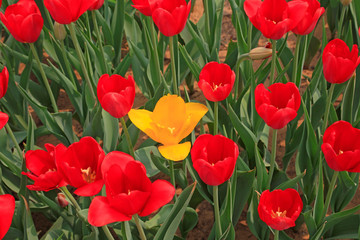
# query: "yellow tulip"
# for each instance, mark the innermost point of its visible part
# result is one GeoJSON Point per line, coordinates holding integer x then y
{"type": "Point", "coordinates": [170, 122]}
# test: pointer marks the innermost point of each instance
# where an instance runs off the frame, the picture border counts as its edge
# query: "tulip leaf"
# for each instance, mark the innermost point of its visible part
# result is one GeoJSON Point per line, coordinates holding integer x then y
{"type": "Point", "coordinates": [168, 229]}
{"type": "Point", "coordinates": [160, 217]}
{"type": "Point", "coordinates": [347, 102]}
{"type": "Point", "coordinates": [345, 190]}
{"type": "Point", "coordinates": [111, 131]}
{"type": "Point", "coordinates": [347, 228]}
{"type": "Point", "coordinates": [146, 156]}
{"type": "Point", "coordinates": [292, 182]}
{"type": "Point", "coordinates": [189, 221]}
{"type": "Point", "coordinates": [256, 226]}
{"type": "Point", "coordinates": [193, 66]}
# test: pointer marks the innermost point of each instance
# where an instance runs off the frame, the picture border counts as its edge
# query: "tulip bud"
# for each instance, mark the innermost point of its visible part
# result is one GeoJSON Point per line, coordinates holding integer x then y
{"type": "Point", "coordinates": [59, 31]}
{"type": "Point", "coordinates": [260, 53]}
{"type": "Point", "coordinates": [61, 200]}
{"type": "Point", "coordinates": [345, 2]}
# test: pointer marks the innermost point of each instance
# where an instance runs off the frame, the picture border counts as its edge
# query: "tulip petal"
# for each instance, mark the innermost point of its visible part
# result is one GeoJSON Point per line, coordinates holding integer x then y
{"type": "Point", "coordinates": [162, 193]}
{"type": "Point", "coordinates": [90, 189]}
{"type": "Point", "coordinates": [7, 203]}
{"type": "Point", "coordinates": [142, 119]}
{"type": "Point", "coordinates": [175, 152]}
{"type": "Point", "coordinates": [101, 213]}
{"type": "Point", "coordinates": [165, 22]}
{"type": "Point", "coordinates": [4, 118]}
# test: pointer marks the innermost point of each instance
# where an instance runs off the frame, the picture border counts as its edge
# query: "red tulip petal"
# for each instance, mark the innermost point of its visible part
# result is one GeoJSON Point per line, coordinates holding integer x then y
{"type": "Point", "coordinates": [59, 11]}
{"type": "Point", "coordinates": [90, 189]}
{"type": "Point", "coordinates": [130, 203]}
{"type": "Point", "coordinates": [31, 27]}
{"type": "Point", "coordinates": [6, 211]}
{"type": "Point", "coordinates": [165, 22]}
{"type": "Point", "coordinates": [101, 213]}
{"type": "Point", "coordinates": [120, 159]}
{"type": "Point", "coordinates": [281, 118]}
{"type": "Point", "coordinates": [117, 105]}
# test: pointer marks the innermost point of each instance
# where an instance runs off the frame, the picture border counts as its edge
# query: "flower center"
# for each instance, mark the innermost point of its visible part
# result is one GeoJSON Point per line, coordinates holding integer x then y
{"type": "Point", "coordinates": [214, 86]}
{"type": "Point", "coordinates": [171, 129]}
{"type": "Point", "coordinates": [129, 191]}
{"type": "Point", "coordinates": [340, 152]}
{"type": "Point", "coordinates": [278, 213]}
{"type": "Point", "coordinates": [88, 175]}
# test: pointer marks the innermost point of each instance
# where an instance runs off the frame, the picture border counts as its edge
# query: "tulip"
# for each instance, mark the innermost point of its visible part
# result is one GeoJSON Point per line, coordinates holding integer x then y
{"type": "Point", "coordinates": [260, 53]}
{"type": "Point", "coordinates": [170, 122]}
{"type": "Point", "coordinates": [68, 11]}
{"type": "Point", "coordinates": [4, 118]}
{"type": "Point", "coordinates": [339, 63]}
{"type": "Point", "coordinates": [312, 15]}
{"type": "Point", "coordinates": [170, 16]}
{"type": "Point", "coordinates": [116, 94]}
{"type": "Point", "coordinates": [43, 170]}
{"type": "Point", "coordinates": [80, 166]}
{"type": "Point", "coordinates": [144, 6]}
{"type": "Point", "coordinates": [4, 80]}
{"type": "Point", "coordinates": [214, 158]}
{"type": "Point", "coordinates": [279, 209]}
{"type": "Point", "coordinates": [216, 80]}
{"type": "Point", "coordinates": [23, 20]}
{"type": "Point", "coordinates": [61, 200]}
{"type": "Point", "coordinates": [7, 203]}
{"type": "Point", "coordinates": [98, 4]}
{"type": "Point", "coordinates": [341, 147]}
{"type": "Point", "coordinates": [274, 18]}
{"type": "Point", "coordinates": [278, 104]}
{"type": "Point", "coordinates": [128, 191]}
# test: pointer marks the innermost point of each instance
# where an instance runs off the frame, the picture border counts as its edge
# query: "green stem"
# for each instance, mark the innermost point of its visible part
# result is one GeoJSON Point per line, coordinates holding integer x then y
{"type": "Point", "coordinates": [173, 71]}
{"type": "Point", "coordinates": [12, 136]}
{"type": "Point", "coordinates": [216, 117]}
{"type": "Point", "coordinates": [273, 61]}
{"type": "Point", "coordinates": [207, 19]}
{"type": "Point", "coordinates": [82, 64]}
{"type": "Point", "coordinates": [329, 193]}
{"type": "Point", "coordinates": [218, 231]}
{"type": "Point", "coordinates": [341, 21]}
{"type": "Point", "coordinates": [172, 176]}
{"type": "Point", "coordinates": [294, 78]}
{"type": "Point", "coordinates": [276, 235]}
{"type": "Point", "coordinates": [99, 40]}
{"type": "Point", "coordinates": [327, 108]}
{"type": "Point", "coordinates": [273, 157]}
{"type": "Point", "coordinates": [128, 139]}
{"type": "Point", "coordinates": [107, 232]}
{"type": "Point", "coordinates": [139, 227]}
{"type": "Point", "coordinates": [67, 65]}
{"type": "Point", "coordinates": [72, 199]}
{"type": "Point", "coordinates": [43, 76]}
{"type": "Point", "coordinates": [239, 85]}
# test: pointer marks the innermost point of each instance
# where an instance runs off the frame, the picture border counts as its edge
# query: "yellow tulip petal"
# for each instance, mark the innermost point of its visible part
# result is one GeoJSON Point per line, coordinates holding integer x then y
{"type": "Point", "coordinates": [175, 152]}
{"type": "Point", "coordinates": [142, 119]}
{"type": "Point", "coordinates": [194, 112]}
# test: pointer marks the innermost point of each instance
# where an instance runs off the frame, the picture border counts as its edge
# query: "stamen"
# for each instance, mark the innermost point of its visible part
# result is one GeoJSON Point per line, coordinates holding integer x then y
{"type": "Point", "coordinates": [88, 175]}
{"type": "Point", "coordinates": [278, 213]}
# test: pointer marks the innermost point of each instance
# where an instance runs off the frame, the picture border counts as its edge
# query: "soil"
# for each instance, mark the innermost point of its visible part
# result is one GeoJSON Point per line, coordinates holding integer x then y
{"type": "Point", "coordinates": [204, 209]}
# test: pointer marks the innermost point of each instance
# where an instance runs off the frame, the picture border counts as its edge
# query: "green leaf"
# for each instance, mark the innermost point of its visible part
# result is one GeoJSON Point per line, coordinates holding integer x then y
{"type": "Point", "coordinates": [292, 182]}
{"type": "Point", "coordinates": [111, 131]}
{"type": "Point", "coordinates": [146, 156]}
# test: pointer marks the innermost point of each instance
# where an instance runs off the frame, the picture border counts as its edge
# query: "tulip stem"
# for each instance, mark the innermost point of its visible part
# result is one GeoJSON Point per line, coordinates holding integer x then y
{"type": "Point", "coordinates": [173, 71]}
{"type": "Point", "coordinates": [327, 109]}
{"type": "Point", "coordinates": [341, 21]}
{"type": "Point", "coordinates": [218, 231]}
{"type": "Point", "coordinates": [329, 193]}
{"type": "Point", "coordinates": [273, 61]}
{"type": "Point", "coordinates": [273, 157]}
{"type": "Point", "coordinates": [12, 136]}
{"type": "Point", "coordinates": [172, 176]}
{"type": "Point", "coordinates": [128, 138]}
{"type": "Point", "coordinates": [107, 232]}
{"type": "Point", "coordinates": [295, 78]}
{"type": "Point", "coordinates": [98, 35]}
{"type": "Point", "coordinates": [139, 227]}
{"type": "Point", "coordinates": [216, 117]}
{"type": "Point", "coordinates": [82, 64]}
{"type": "Point", "coordinates": [43, 76]}
{"type": "Point", "coordinates": [276, 235]}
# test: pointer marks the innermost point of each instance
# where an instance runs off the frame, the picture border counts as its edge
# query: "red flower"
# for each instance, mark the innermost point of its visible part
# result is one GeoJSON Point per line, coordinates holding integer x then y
{"type": "Point", "coordinates": [43, 169]}
{"type": "Point", "coordinates": [312, 15]}
{"type": "Point", "coordinates": [128, 191]}
{"type": "Point", "coordinates": [98, 4]}
{"type": "Point", "coordinates": [67, 11]}
{"type": "Point", "coordinates": [61, 200]}
{"type": "Point", "coordinates": [4, 80]}
{"type": "Point", "coordinates": [144, 6]}
{"type": "Point", "coordinates": [278, 104]}
{"type": "Point", "coordinates": [80, 166]}
{"type": "Point", "coordinates": [216, 81]}
{"type": "Point", "coordinates": [341, 147]}
{"type": "Point", "coordinates": [23, 20]}
{"type": "Point", "coordinates": [279, 209]}
{"type": "Point", "coordinates": [214, 158]}
{"type": "Point", "coordinates": [4, 118]}
{"type": "Point", "coordinates": [116, 94]}
{"type": "Point", "coordinates": [170, 16]}
{"type": "Point", "coordinates": [7, 203]}
{"type": "Point", "coordinates": [339, 63]}
{"type": "Point", "coordinates": [274, 18]}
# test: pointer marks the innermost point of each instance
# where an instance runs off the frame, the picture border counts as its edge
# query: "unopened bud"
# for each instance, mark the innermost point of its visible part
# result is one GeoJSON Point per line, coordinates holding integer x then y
{"type": "Point", "coordinates": [61, 200]}
{"type": "Point", "coordinates": [345, 2]}
{"type": "Point", "coordinates": [260, 53]}
{"type": "Point", "coordinates": [59, 31]}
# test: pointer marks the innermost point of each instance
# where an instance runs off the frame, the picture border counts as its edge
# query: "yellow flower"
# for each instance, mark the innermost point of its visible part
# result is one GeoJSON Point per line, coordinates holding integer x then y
{"type": "Point", "coordinates": [170, 122]}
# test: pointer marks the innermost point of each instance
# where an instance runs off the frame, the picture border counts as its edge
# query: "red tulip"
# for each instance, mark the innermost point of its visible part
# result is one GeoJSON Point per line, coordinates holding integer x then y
{"type": "Point", "coordinates": [216, 80]}
{"type": "Point", "coordinates": [339, 63]}
{"type": "Point", "coordinates": [4, 80]}
{"type": "Point", "coordinates": [279, 209]}
{"type": "Point", "coordinates": [42, 166]}
{"type": "Point", "coordinates": [67, 11]}
{"type": "Point", "coordinates": [4, 118]}
{"type": "Point", "coordinates": [144, 6]}
{"type": "Point", "coordinates": [274, 18]}
{"type": "Point", "coordinates": [170, 16]}
{"type": "Point", "coordinates": [98, 4]}
{"type": "Point", "coordinates": [80, 165]}
{"type": "Point", "coordinates": [278, 104]}
{"type": "Point", "coordinates": [312, 15]}
{"type": "Point", "coordinates": [61, 200]}
{"type": "Point", "coordinates": [128, 191]}
{"type": "Point", "coordinates": [341, 147]}
{"type": "Point", "coordinates": [116, 94]}
{"type": "Point", "coordinates": [7, 203]}
{"type": "Point", "coordinates": [23, 20]}
{"type": "Point", "coordinates": [214, 158]}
